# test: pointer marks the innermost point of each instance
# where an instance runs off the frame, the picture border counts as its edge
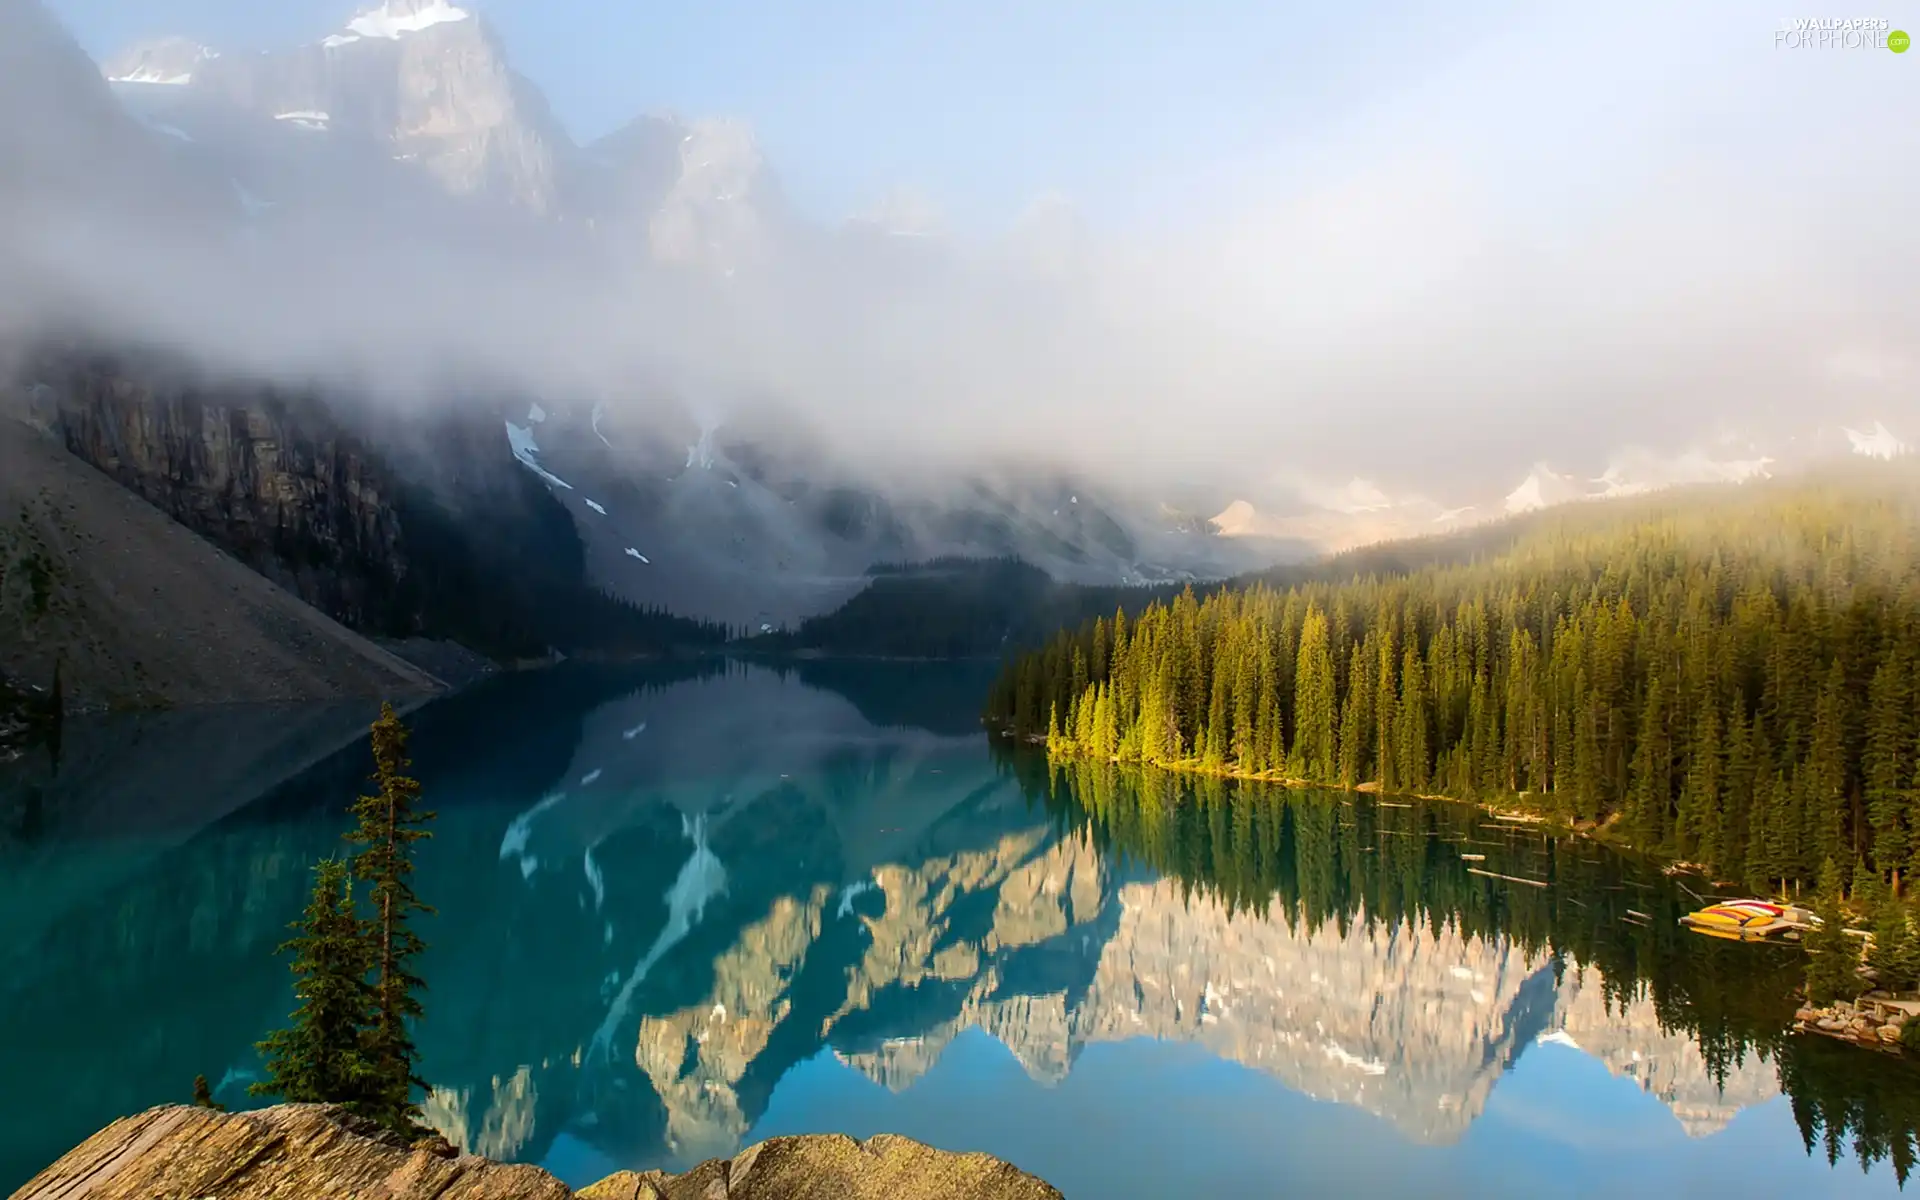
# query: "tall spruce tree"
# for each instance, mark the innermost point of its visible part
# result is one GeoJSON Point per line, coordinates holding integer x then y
{"type": "Point", "coordinates": [1833, 957]}
{"type": "Point", "coordinates": [1892, 952]}
{"type": "Point", "coordinates": [321, 1057]}
{"type": "Point", "coordinates": [390, 822]}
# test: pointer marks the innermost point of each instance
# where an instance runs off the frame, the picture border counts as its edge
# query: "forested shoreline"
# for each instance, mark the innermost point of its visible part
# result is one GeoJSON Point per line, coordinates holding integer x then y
{"type": "Point", "coordinates": [1723, 677]}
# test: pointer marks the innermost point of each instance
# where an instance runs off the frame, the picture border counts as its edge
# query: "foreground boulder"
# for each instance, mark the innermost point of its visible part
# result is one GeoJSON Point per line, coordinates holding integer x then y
{"type": "Point", "coordinates": [295, 1151]}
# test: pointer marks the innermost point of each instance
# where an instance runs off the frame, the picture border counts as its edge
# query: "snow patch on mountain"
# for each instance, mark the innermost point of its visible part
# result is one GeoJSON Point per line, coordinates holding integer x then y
{"type": "Point", "coordinates": [307, 118]}
{"type": "Point", "coordinates": [1542, 488]}
{"type": "Point", "coordinates": [1637, 473]}
{"type": "Point", "coordinates": [169, 62]}
{"type": "Point", "coordinates": [397, 18]}
{"type": "Point", "coordinates": [595, 506]}
{"type": "Point", "coordinates": [1878, 442]}
{"type": "Point", "coordinates": [701, 879]}
{"type": "Point", "coordinates": [520, 440]}
{"type": "Point", "coordinates": [700, 453]}
{"type": "Point", "coordinates": [849, 894]}
{"type": "Point", "coordinates": [1235, 520]}
{"type": "Point", "coordinates": [513, 843]}
{"type": "Point", "coordinates": [152, 75]}
{"type": "Point", "coordinates": [1346, 1058]}
{"type": "Point", "coordinates": [595, 879]}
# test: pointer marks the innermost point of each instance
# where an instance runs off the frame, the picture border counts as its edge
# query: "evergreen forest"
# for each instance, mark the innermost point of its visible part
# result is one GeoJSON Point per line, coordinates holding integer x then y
{"type": "Point", "coordinates": [1722, 676]}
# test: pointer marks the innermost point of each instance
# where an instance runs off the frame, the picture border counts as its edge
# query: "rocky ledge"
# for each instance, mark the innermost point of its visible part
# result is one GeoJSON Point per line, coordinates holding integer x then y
{"type": "Point", "coordinates": [1870, 1021]}
{"type": "Point", "coordinates": [294, 1151]}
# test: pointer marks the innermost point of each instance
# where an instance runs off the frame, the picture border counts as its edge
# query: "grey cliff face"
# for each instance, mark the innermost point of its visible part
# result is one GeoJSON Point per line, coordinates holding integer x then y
{"type": "Point", "coordinates": [414, 526]}
{"type": "Point", "coordinates": [690, 193]}
{"type": "Point", "coordinates": [716, 211]}
{"type": "Point", "coordinates": [423, 83]}
{"type": "Point", "coordinates": [427, 86]}
{"type": "Point", "coordinates": [269, 478]}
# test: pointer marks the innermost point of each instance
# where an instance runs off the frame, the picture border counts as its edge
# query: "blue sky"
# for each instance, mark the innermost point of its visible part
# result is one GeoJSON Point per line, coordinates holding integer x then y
{"type": "Point", "coordinates": [1126, 107]}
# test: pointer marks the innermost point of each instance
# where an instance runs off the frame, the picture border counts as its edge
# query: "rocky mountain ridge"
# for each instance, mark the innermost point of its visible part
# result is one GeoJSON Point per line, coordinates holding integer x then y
{"type": "Point", "coordinates": [426, 88]}
{"type": "Point", "coordinates": [105, 602]}
{"type": "Point", "coordinates": [381, 534]}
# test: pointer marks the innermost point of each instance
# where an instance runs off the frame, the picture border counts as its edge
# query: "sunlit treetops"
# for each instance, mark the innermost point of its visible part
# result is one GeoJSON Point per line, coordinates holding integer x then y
{"type": "Point", "coordinates": [1726, 676]}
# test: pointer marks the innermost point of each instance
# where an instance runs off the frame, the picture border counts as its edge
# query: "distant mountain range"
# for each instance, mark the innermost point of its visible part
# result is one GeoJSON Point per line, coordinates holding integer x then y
{"type": "Point", "coordinates": [421, 91]}
{"type": "Point", "coordinates": [1362, 513]}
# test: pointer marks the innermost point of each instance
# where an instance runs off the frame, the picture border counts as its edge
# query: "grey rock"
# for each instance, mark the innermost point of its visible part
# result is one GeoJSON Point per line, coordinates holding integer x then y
{"type": "Point", "coordinates": [439, 96]}
{"type": "Point", "coordinates": [313, 1150]}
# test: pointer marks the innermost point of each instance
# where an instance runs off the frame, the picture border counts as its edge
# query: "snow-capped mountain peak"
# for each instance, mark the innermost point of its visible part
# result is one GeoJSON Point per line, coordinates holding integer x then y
{"type": "Point", "coordinates": [396, 18]}
{"type": "Point", "coordinates": [1236, 519]}
{"type": "Point", "coordinates": [1877, 442]}
{"type": "Point", "coordinates": [1638, 472]}
{"type": "Point", "coordinates": [1542, 488]}
{"type": "Point", "coordinates": [416, 82]}
{"type": "Point", "coordinates": [170, 61]}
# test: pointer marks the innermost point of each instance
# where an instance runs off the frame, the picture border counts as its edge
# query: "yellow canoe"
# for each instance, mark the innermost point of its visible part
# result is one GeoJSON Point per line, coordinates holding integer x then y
{"type": "Point", "coordinates": [1745, 919]}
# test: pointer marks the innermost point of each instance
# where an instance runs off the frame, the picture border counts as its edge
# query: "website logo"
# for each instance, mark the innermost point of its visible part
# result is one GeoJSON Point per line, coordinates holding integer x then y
{"type": "Point", "coordinates": [1840, 33]}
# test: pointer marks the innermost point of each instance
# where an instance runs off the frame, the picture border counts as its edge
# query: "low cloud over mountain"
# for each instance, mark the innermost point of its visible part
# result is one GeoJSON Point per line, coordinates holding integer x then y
{"type": "Point", "coordinates": [1417, 291]}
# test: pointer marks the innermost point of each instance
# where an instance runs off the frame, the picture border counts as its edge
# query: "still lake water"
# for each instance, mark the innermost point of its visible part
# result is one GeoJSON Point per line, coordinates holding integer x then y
{"type": "Point", "coordinates": [682, 909]}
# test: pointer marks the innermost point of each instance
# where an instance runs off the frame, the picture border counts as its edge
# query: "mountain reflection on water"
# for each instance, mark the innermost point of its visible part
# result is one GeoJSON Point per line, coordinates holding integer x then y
{"type": "Point", "coordinates": [687, 907]}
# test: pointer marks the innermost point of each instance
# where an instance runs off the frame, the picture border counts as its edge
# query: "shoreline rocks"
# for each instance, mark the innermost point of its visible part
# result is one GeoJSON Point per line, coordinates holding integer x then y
{"type": "Point", "coordinates": [178, 1152]}
{"type": "Point", "coordinates": [1869, 1021]}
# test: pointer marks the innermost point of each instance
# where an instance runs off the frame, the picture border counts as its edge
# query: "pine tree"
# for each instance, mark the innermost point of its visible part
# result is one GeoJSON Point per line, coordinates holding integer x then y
{"type": "Point", "coordinates": [1700, 833]}
{"type": "Point", "coordinates": [1315, 709]}
{"type": "Point", "coordinates": [389, 823]}
{"type": "Point", "coordinates": [1386, 712]}
{"type": "Point", "coordinates": [1892, 953]}
{"type": "Point", "coordinates": [1889, 750]}
{"type": "Point", "coordinates": [322, 1057]}
{"type": "Point", "coordinates": [1411, 736]}
{"type": "Point", "coordinates": [1903, 959]}
{"type": "Point", "coordinates": [203, 1095]}
{"type": "Point", "coordinates": [1106, 727]}
{"type": "Point", "coordinates": [1356, 717]}
{"type": "Point", "coordinates": [1833, 958]}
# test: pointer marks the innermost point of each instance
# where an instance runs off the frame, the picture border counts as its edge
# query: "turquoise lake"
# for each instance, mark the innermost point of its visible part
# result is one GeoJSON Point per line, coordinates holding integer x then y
{"type": "Point", "coordinates": [683, 908]}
